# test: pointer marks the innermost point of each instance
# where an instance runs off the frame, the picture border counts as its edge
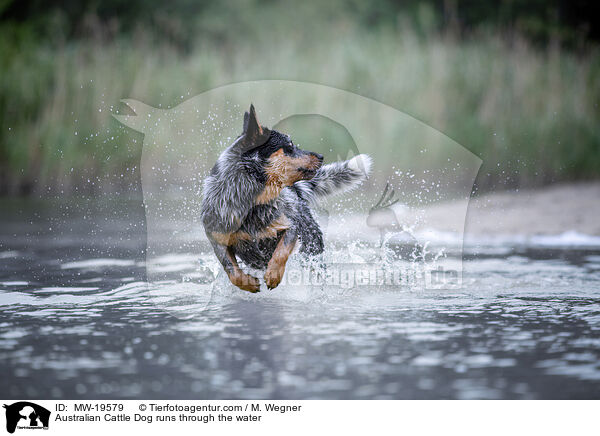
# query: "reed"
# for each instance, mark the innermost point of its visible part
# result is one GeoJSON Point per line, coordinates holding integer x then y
{"type": "Point", "coordinates": [530, 113]}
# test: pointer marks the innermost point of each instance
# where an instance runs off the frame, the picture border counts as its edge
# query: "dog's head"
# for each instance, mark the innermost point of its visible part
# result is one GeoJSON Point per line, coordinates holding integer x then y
{"type": "Point", "coordinates": [279, 160]}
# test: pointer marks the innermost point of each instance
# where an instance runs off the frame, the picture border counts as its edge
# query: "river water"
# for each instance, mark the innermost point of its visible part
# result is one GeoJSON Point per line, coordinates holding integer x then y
{"type": "Point", "coordinates": [78, 319]}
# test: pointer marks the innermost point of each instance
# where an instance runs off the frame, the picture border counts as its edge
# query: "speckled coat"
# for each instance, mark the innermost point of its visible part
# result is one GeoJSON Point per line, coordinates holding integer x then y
{"type": "Point", "coordinates": [257, 198]}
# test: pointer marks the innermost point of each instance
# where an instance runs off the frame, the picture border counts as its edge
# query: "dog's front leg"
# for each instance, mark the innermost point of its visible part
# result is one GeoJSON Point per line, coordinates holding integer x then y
{"type": "Point", "coordinates": [276, 266]}
{"type": "Point", "coordinates": [226, 255]}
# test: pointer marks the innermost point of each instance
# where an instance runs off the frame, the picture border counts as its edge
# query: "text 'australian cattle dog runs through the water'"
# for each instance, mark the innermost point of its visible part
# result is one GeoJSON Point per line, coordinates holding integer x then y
{"type": "Point", "coordinates": [256, 201]}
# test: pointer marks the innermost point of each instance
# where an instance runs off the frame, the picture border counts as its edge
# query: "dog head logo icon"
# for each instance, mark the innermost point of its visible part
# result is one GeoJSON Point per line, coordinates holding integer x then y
{"type": "Point", "coordinates": [26, 415]}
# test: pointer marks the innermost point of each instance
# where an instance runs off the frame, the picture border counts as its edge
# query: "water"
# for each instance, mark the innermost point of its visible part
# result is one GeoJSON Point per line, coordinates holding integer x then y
{"type": "Point", "coordinates": [77, 320]}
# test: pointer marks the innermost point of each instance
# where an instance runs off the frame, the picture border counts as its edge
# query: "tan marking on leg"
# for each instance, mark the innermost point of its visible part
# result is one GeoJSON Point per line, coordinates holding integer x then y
{"type": "Point", "coordinates": [238, 277]}
{"type": "Point", "coordinates": [229, 239]}
{"type": "Point", "coordinates": [244, 281]}
{"type": "Point", "coordinates": [276, 266]}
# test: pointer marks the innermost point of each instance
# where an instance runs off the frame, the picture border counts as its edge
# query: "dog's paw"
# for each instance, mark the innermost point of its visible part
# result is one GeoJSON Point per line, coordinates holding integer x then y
{"type": "Point", "coordinates": [273, 277]}
{"type": "Point", "coordinates": [245, 282]}
{"type": "Point", "coordinates": [253, 287]}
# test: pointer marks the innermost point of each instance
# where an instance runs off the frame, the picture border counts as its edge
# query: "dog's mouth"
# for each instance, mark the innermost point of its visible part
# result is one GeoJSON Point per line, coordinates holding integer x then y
{"type": "Point", "coordinates": [311, 165]}
{"type": "Point", "coordinates": [309, 172]}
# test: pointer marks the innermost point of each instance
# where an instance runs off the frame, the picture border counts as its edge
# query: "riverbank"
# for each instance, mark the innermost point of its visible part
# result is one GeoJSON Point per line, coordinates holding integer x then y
{"type": "Point", "coordinates": [553, 210]}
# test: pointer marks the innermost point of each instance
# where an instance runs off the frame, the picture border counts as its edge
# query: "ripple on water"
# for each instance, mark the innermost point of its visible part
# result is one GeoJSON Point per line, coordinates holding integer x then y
{"type": "Point", "coordinates": [516, 326]}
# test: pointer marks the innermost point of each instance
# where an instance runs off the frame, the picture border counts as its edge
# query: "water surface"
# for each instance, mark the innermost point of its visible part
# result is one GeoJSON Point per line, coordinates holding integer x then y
{"type": "Point", "coordinates": [78, 320]}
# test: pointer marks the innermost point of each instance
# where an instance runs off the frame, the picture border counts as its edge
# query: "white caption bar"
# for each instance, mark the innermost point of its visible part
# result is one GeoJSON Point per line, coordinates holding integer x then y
{"type": "Point", "coordinates": [151, 417]}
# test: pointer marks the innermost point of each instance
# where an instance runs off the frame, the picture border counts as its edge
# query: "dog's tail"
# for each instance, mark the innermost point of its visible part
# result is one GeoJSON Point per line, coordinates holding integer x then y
{"type": "Point", "coordinates": [335, 178]}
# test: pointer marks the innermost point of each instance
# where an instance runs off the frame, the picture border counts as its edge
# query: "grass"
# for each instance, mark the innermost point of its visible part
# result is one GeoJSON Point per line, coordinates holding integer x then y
{"type": "Point", "coordinates": [530, 113]}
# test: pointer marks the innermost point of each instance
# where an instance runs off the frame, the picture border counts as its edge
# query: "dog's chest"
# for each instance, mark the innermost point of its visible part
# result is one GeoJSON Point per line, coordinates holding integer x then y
{"type": "Point", "coordinates": [264, 221]}
{"type": "Point", "coordinates": [261, 222]}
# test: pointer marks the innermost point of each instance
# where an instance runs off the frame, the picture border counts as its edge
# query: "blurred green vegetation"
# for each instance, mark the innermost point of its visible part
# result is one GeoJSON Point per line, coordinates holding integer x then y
{"type": "Point", "coordinates": [517, 83]}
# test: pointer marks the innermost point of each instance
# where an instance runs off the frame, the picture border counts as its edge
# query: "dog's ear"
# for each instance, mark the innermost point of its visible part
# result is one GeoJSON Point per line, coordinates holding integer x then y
{"type": "Point", "coordinates": [246, 118]}
{"type": "Point", "coordinates": [252, 127]}
{"type": "Point", "coordinates": [254, 135]}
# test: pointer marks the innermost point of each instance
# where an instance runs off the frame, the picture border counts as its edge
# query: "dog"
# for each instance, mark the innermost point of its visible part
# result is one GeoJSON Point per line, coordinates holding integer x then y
{"type": "Point", "coordinates": [257, 197]}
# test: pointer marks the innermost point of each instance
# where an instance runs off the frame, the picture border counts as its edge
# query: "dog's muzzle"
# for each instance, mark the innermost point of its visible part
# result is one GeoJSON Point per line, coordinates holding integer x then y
{"type": "Point", "coordinates": [315, 162]}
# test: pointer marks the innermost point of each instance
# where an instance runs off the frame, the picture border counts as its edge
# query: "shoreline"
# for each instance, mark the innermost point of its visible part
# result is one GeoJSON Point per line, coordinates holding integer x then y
{"type": "Point", "coordinates": [558, 215]}
{"type": "Point", "coordinates": [553, 210]}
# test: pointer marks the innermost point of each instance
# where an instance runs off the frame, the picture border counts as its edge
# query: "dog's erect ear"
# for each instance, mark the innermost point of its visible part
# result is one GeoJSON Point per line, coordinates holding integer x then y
{"type": "Point", "coordinates": [254, 134]}
{"type": "Point", "coordinates": [246, 118]}
{"type": "Point", "coordinates": [252, 127]}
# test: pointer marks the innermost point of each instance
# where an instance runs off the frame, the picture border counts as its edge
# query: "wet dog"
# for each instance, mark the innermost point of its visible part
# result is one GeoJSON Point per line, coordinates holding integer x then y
{"type": "Point", "coordinates": [256, 201]}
